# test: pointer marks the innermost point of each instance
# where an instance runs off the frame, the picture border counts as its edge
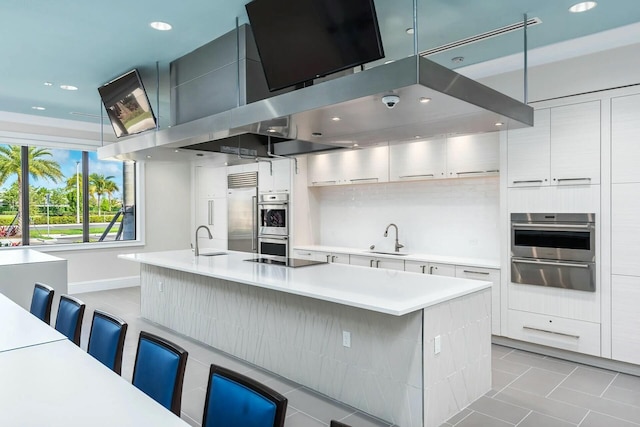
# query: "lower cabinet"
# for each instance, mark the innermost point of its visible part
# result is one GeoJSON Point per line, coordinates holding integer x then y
{"type": "Point", "coordinates": [375, 262]}
{"type": "Point", "coordinates": [430, 268]}
{"type": "Point", "coordinates": [568, 334]}
{"type": "Point", "coordinates": [625, 318]}
{"type": "Point", "coordinates": [489, 275]}
{"type": "Point", "coordinates": [322, 256]}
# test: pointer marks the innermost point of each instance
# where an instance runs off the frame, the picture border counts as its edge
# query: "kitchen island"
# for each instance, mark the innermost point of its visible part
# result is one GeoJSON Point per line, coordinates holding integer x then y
{"type": "Point", "coordinates": [410, 349]}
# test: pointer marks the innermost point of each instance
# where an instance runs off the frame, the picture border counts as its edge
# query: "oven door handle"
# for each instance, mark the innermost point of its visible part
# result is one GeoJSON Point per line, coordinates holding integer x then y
{"type": "Point", "coordinates": [272, 237]}
{"type": "Point", "coordinates": [558, 264]}
{"type": "Point", "coordinates": [554, 226]}
{"type": "Point", "coordinates": [272, 203]}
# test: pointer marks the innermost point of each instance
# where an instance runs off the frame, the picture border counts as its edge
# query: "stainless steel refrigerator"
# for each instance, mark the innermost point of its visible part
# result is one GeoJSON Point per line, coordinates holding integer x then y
{"type": "Point", "coordinates": [242, 202]}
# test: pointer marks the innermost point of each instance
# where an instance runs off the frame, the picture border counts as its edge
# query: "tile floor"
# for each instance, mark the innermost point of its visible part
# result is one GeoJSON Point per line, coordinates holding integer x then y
{"type": "Point", "coordinates": [528, 389]}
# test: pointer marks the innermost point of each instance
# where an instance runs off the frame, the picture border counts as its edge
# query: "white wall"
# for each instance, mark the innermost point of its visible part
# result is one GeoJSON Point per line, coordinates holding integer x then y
{"type": "Point", "coordinates": [457, 217]}
{"type": "Point", "coordinates": [167, 214]}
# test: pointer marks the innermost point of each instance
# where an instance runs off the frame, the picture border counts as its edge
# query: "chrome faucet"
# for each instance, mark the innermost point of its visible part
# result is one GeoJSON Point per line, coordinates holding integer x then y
{"type": "Point", "coordinates": [197, 250]}
{"type": "Point", "coordinates": [386, 233]}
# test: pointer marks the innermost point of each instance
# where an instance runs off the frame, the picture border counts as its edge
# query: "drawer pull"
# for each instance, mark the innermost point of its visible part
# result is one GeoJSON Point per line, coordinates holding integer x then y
{"type": "Point", "coordinates": [528, 181]}
{"type": "Point", "coordinates": [425, 175]}
{"type": "Point", "coordinates": [531, 328]}
{"type": "Point", "coordinates": [476, 272]}
{"type": "Point", "coordinates": [323, 182]}
{"type": "Point", "coordinates": [554, 264]}
{"type": "Point", "coordinates": [364, 179]}
{"type": "Point", "coordinates": [304, 253]}
{"type": "Point", "coordinates": [573, 179]}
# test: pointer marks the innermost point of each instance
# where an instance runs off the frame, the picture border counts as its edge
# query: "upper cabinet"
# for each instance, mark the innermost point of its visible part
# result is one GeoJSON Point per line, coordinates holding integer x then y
{"type": "Point", "coordinates": [211, 182]}
{"type": "Point", "coordinates": [418, 160]}
{"type": "Point", "coordinates": [274, 176]}
{"type": "Point", "coordinates": [625, 139]}
{"type": "Point", "coordinates": [473, 155]}
{"type": "Point", "coordinates": [369, 165]}
{"type": "Point", "coordinates": [563, 147]}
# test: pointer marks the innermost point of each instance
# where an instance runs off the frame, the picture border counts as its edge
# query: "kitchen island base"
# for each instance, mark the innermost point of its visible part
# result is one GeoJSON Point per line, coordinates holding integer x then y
{"type": "Point", "coordinates": [390, 370]}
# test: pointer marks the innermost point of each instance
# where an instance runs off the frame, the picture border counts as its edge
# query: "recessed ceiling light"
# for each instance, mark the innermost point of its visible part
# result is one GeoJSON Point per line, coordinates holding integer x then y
{"type": "Point", "coordinates": [417, 137]}
{"type": "Point", "coordinates": [499, 124]}
{"type": "Point", "coordinates": [68, 87]}
{"type": "Point", "coordinates": [271, 130]}
{"type": "Point", "coordinates": [48, 84]}
{"type": "Point", "coordinates": [356, 145]}
{"type": "Point", "coordinates": [424, 100]}
{"type": "Point", "coordinates": [176, 151]}
{"type": "Point", "coordinates": [409, 30]}
{"type": "Point", "coordinates": [160, 26]}
{"type": "Point", "coordinates": [148, 157]}
{"type": "Point", "coordinates": [38, 108]}
{"type": "Point", "coordinates": [335, 119]}
{"type": "Point", "coordinates": [582, 6]}
{"type": "Point", "coordinates": [457, 59]}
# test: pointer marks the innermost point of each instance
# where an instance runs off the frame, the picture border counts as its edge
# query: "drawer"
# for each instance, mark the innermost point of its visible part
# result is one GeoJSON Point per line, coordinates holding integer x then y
{"type": "Point", "coordinates": [488, 275]}
{"type": "Point", "coordinates": [567, 334]}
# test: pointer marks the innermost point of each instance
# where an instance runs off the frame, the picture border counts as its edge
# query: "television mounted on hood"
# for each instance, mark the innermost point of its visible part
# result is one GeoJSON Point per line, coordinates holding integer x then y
{"type": "Point", "coordinates": [300, 40]}
{"type": "Point", "coordinates": [127, 105]}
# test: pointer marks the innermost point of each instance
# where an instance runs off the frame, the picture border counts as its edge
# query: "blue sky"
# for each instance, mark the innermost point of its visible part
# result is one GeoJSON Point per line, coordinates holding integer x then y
{"type": "Point", "coordinates": [67, 160]}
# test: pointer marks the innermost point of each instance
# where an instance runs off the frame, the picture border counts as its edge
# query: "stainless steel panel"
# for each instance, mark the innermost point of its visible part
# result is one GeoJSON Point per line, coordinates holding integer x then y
{"type": "Point", "coordinates": [580, 218]}
{"type": "Point", "coordinates": [242, 233]}
{"type": "Point", "coordinates": [242, 180]}
{"type": "Point", "coordinates": [558, 274]}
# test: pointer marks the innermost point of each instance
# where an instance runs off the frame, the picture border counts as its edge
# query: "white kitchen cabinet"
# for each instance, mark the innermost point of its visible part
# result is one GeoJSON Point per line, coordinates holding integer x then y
{"type": "Point", "coordinates": [489, 275]}
{"type": "Point", "coordinates": [473, 155]}
{"type": "Point", "coordinates": [559, 332]}
{"type": "Point", "coordinates": [369, 165]}
{"type": "Point", "coordinates": [625, 139]}
{"type": "Point", "coordinates": [435, 269]}
{"type": "Point", "coordinates": [211, 182]}
{"type": "Point", "coordinates": [274, 176]}
{"type": "Point", "coordinates": [377, 262]}
{"type": "Point", "coordinates": [418, 160]}
{"type": "Point", "coordinates": [562, 148]}
{"type": "Point", "coordinates": [213, 214]}
{"type": "Point", "coordinates": [625, 229]}
{"type": "Point", "coordinates": [529, 152]}
{"type": "Point", "coordinates": [331, 257]}
{"type": "Point", "coordinates": [625, 318]}
{"type": "Point", "coordinates": [575, 144]}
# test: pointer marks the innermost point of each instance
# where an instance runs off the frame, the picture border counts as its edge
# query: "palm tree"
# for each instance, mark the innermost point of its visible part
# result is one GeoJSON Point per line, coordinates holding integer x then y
{"type": "Point", "coordinates": [102, 185]}
{"type": "Point", "coordinates": [39, 167]}
{"type": "Point", "coordinates": [110, 188]}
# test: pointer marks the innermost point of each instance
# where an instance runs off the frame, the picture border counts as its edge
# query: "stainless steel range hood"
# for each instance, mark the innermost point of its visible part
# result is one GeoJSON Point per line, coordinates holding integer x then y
{"type": "Point", "coordinates": [458, 105]}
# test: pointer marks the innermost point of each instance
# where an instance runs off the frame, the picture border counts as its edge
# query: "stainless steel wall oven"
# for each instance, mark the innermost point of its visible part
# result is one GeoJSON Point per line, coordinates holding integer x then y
{"type": "Point", "coordinates": [273, 227]}
{"type": "Point", "coordinates": [557, 250]}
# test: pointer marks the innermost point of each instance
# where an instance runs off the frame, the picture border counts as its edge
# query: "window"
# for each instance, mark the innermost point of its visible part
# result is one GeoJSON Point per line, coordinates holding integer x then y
{"type": "Point", "coordinates": [70, 197]}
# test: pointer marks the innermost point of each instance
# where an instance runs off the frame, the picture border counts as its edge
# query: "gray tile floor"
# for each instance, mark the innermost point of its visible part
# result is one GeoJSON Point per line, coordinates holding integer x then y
{"type": "Point", "coordinates": [528, 389]}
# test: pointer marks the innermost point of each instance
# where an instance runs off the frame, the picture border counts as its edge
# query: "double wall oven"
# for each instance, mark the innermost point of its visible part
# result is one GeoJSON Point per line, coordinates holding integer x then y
{"type": "Point", "coordinates": [273, 224]}
{"type": "Point", "coordinates": [556, 250]}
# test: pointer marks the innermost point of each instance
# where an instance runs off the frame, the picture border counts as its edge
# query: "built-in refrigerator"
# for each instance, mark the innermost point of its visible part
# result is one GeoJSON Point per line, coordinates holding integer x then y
{"type": "Point", "coordinates": [242, 202]}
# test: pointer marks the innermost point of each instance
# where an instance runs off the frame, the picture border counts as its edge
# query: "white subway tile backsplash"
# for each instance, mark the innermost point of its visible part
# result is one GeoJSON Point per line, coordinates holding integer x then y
{"type": "Point", "coordinates": [455, 217]}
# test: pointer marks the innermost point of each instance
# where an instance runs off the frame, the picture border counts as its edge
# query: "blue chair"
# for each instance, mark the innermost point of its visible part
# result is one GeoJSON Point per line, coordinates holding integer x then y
{"type": "Point", "coordinates": [106, 340]}
{"type": "Point", "coordinates": [335, 423]}
{"type": "Point", "coordinates": [236, 400]}
{"type": "Point", "coordinates": [41, 302]}
{"type": "Point", "coordinates": [69, 319]}
{"type": "Point", "coordinates": [159, 370]}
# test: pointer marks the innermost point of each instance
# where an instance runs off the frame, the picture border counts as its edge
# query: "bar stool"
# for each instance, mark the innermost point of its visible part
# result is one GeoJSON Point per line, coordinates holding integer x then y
{"type": "Point", "coordinates": [106, 339]}
{"type": "Point", "coordinates": [69, 318]}
{"type": "Point", "coordinates": [41, 302]}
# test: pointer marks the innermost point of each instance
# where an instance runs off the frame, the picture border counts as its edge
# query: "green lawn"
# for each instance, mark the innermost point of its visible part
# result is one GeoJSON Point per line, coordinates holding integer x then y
{"type": "Point", "coordinates": [41, 231]}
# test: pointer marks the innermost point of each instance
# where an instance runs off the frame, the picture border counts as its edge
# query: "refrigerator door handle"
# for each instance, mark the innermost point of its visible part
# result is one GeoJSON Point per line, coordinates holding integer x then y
{"type": "Point", "coordinates": [254, 223]}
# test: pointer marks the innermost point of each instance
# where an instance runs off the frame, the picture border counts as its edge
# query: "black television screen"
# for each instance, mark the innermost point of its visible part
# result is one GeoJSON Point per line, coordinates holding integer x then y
{"type": "Point", "coordinates": [299, 40]}
{"type": "Point", "coordinates": [127, 105]}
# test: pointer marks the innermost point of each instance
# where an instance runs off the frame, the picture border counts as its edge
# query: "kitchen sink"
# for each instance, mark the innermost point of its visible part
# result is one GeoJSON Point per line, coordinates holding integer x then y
{"type": "Point", "coordinates": [389, 253]}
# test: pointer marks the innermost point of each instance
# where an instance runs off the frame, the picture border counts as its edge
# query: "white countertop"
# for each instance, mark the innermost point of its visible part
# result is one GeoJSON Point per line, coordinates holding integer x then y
{"type": "Point", "coordinates": [25, 256]}
{"type": "Point", "coordinates": [385, 291]}
{"type": "Point", "coordinates": [411, 256]}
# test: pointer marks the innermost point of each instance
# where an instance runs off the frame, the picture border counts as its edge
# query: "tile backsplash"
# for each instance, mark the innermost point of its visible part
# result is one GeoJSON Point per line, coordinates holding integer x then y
{"type": "Point", "coordinates": [454, 217]}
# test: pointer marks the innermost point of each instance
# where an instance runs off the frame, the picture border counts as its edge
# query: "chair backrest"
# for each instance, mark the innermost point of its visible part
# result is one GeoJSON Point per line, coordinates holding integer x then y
{"type": "Point", "coordinates": [106, 340]}
{"type": "Point", "coordinates": [335, 423]}
{"type": "Point", "coordinates": [233, 399]}
{"type": "Point", "coordinates": [159, 370]}
{"type": "Point", "coordinates": [69, 318]}
{"type": "Point", "coordinates": [41, 302]}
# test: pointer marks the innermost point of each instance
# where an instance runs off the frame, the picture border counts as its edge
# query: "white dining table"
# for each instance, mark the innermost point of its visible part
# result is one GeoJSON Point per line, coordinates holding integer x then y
{"type": "Point", "coordinates": [22, 329]}
{"type": "Point", "coordinates": [46, 380]}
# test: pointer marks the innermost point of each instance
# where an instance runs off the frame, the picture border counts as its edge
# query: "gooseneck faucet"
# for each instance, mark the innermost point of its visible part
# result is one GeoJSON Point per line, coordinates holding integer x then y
{"type": "Point", "coordinates": [386, 233]}
{"type": "Point", "coordinates": [197, 250]}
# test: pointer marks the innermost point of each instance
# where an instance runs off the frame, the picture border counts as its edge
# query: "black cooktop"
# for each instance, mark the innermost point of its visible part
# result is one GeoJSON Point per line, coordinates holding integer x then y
{"type": "Point", "coordinates": [286, 262]}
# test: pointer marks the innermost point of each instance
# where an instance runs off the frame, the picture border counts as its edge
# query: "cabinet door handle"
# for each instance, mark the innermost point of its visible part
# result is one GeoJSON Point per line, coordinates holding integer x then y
{"type": "Point", "coordinates": [571, 179]}
{"type": "Point", "coordinates": [210, 213]}
{"type": "Point", "coordinates": [555, 264]}
{"type": "Point", "coordinates": [531, 328]}
{"type": "Point", "coordinates": [377, 263]}
{"type": "Point", "coordinates": [333, 258]}
{"type": "Point", "coordinates": [431, 269]}
{"type": "Point", "coordinates": [364, 179]}
{"type": "Point", "coordinates": [328, 258]}
{"type": "Point", "coordinates": [528, 181]}
{"type": "Point", "coordinates": [476, 272]}
{"type": "Point", "coordinates": [425, 175]}
{"type": "Point", "coordinates": [371, 263]}
{"type": "Point", "coordinates": [423, 268]}
{"type": "Point", "coordinates": [471, 172]}
{"type": "Point", "coordinates": [323, 182]}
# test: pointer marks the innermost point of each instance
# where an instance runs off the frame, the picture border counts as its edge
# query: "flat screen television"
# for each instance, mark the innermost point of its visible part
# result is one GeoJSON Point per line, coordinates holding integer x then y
{"type": "Point", "coordinates": [299, 40]}
{"type": "Point", "coordinates": [127, 105]}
